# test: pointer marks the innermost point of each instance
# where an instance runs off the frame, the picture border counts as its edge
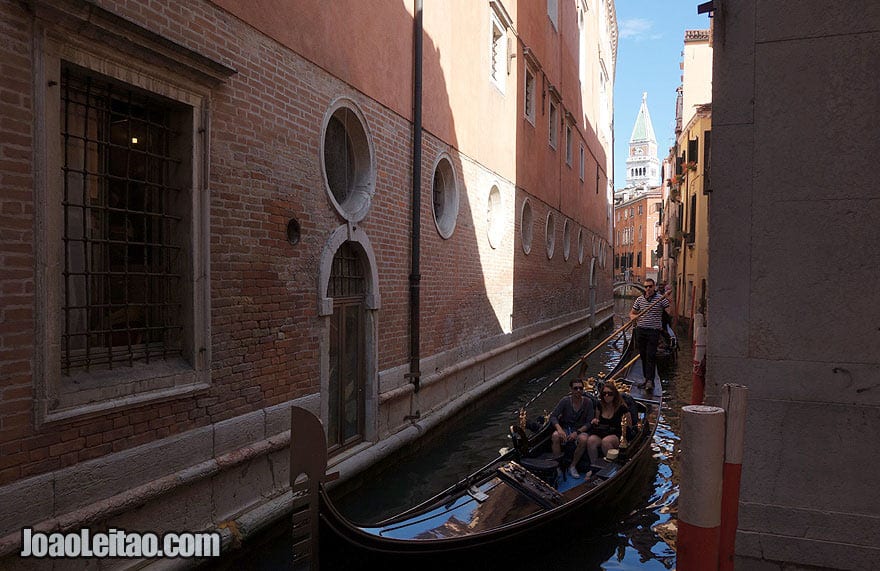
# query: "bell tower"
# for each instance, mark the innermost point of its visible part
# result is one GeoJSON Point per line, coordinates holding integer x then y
{"type": "Point", "coordinates": [642, 164]}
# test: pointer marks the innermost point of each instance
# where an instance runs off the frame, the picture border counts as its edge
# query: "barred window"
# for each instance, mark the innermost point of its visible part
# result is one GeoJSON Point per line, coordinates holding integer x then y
{"type": "Point", "coordinates": [347, 277]}
{"type": "Point", "coordinates": [124, 223]}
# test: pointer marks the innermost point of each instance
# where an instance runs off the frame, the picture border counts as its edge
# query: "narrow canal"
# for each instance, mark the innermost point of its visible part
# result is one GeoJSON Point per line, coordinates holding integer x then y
{"type": "Point", "coordinates": [633, 536]}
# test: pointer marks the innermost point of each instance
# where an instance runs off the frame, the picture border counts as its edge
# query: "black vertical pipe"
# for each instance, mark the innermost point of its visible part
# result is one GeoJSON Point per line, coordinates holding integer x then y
{"type": "Point", "coordinates": [415, 276]}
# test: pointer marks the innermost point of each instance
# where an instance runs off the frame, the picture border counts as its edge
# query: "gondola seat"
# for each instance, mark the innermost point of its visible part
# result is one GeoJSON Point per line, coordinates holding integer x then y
{"type": "Point", "coordinates": [544, 467]}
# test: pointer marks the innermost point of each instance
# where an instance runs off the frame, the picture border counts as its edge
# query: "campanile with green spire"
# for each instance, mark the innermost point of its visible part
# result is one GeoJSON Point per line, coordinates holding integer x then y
{"type": "Point", "coordinates": [642, 164]}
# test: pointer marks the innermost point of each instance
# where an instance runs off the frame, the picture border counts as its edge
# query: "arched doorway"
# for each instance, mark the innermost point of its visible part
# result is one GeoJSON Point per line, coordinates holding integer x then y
{"type": "Point", "coordinates": [347, 349]}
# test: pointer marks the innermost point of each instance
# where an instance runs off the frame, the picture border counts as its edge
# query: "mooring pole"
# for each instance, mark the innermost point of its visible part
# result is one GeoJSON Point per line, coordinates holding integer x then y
{"type": "Point", "coordinates": [733, 401]}
{"type": "Point", "coordinates": [699, 501]}
{"type": "Point", "coordinates": [698, 386]}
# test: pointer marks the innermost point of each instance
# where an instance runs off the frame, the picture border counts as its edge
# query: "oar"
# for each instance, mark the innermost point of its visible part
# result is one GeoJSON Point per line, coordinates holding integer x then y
{"type": "Point", "coordinates": [594, 349]}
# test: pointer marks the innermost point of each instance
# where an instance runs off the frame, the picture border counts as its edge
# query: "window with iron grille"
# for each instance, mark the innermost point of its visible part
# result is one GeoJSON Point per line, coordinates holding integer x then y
{"type": "Point", "coordinates": [347, 277]}
{"type": "Point", "coordinates": [122, 218]}
{"type": "Point", "coordinates": [123, 229]}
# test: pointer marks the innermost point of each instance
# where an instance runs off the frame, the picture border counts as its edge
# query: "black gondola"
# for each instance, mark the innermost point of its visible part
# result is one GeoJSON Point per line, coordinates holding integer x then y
{"type": "Point", "coordinates": [518, 493]}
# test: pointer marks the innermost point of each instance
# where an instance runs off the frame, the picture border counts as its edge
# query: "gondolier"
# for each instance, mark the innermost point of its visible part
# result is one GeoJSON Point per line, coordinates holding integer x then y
{"type": "Point", "coordinates": [648, 308]}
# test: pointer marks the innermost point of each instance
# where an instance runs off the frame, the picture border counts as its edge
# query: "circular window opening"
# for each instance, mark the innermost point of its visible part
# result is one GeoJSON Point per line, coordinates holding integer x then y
{"type": "Point", "coordinates": [293, 231]}
{"type": "Point", "coordinates": [550, 230]}
{"type": "Point", "coordinates": [566, 239]}
{"type": "Point", "coordinates": [495, 217]}
{"type": "Point", "coordinates": [581, 246]}
{"type": "Point", "coordinates": [444, 193]}
{"type": "Point", "coordinates": [525, 228]}
{"type": "Point", "coordinates": [347, 162]}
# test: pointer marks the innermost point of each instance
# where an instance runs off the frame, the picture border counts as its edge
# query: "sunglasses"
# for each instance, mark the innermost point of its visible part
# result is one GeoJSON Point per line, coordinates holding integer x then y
{"type": "Point", "coordinates": [647, 286]}
{"type": "Point", "coordinates": [607, 394]}
{"type": "Point", "coordinates": [578, 388]}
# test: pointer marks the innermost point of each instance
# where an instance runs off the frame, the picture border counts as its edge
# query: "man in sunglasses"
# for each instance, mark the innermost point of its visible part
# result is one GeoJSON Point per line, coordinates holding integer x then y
{"type": "Point", "coordinates": [648, 329]}
{"type": "Point", "coordinates": [572, 418]}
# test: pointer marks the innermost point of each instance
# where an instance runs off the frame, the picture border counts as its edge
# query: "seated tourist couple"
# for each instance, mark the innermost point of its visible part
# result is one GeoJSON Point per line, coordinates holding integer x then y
{"type": "Point", "coordinates": [587, 426]}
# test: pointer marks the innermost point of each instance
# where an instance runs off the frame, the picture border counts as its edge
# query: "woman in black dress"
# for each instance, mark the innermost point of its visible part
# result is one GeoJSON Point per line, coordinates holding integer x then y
{"type": "Point", "coordinates": [605, 428]}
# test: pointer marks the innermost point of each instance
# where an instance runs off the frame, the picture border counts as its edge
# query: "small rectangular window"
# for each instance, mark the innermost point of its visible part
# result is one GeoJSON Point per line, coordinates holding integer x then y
{"type": "Point", "coordinates": [530, 96]}
{"type": "Point", "coordinates": [582, 162]}
{"type": "Point", "coordinates": [568, 145]}
{"type": "Point", "coordinates": [554, 124]}
{"type": "Point", "coordinates": [498, 53]}
{"type": "Point", "coordinates": [692, 152]}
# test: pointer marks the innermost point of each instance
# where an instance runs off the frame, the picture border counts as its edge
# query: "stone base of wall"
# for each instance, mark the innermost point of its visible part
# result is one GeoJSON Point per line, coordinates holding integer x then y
{"type": "Point", "coordinates": [233, 476]}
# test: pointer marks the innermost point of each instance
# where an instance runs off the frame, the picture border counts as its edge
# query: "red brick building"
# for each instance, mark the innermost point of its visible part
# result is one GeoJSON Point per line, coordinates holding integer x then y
{"type": "Point", "coordinates": [206, 216]}
{"type": "Point", "coordinates": [636, 233]}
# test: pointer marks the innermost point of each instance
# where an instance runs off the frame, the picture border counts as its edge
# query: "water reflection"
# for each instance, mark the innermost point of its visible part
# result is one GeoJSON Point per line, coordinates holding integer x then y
{"type": "Point", "coordinates": [633, 537]}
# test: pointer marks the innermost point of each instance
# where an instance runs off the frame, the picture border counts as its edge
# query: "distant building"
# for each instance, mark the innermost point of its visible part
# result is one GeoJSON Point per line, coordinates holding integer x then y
{"type": "Point", "coordinates": [207, 217]}
{"type": "Point", "coordinates": [684, 251]}
{"type": "Point", "coordinates": [636, 234]}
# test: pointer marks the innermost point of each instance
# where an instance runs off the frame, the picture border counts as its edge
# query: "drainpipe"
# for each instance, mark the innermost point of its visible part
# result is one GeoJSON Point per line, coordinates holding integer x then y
{"type": "Point", "coordinates": [415, 277]}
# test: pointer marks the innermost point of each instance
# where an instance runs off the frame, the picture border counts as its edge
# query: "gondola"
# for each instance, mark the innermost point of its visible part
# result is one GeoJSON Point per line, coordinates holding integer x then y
{"type": "Point", "coordinates": [518, 494]}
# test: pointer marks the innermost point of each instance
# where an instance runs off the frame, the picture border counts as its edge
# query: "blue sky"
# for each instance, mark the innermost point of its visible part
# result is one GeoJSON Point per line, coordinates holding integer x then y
{"type": "Point", "coordinates": [651, 39]}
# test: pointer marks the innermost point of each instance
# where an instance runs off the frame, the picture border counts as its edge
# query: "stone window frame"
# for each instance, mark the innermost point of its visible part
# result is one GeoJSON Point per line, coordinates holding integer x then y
{"type": "Point", "coordinates": [530, 81]}
{"type": "Point", "coordinates": [446, 223]}
{"type": "Point", "coordinates": [105, 44]}
{"type": "Point", "coordinates": [526, 227]}
{"type": "Point", "coordinates": [498, 48]}
{"type": "Point", "coordinates": [356, 204]}
{"type": "Point", "coordinates": [569, 144]}
{"type": "Point", "coordinates": [581, 246]}
{"type": "Point", "coordinates": [583, 162]}
{"type": "Point", "coordinates": [550, 234]}
{"type": "Point", "coordinates": [566, 239]}
{"type": "Point", "coordinates": [495, 219]}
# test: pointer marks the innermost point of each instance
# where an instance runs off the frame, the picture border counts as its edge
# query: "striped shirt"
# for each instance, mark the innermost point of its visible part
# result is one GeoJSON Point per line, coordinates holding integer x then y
{"type": "Point", "coordinates": [653, 319]}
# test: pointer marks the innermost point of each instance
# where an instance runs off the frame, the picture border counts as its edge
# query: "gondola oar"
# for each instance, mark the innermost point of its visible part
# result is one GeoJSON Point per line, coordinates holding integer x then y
{"type": "Point", "coordinates": [594, 349]}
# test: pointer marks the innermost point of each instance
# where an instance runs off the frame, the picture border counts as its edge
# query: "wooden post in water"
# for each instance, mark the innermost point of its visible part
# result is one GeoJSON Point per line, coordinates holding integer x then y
{"type": "Point", "coordinates": [699, 501]}
{"type": "Point", "coordinates": [733, 401]}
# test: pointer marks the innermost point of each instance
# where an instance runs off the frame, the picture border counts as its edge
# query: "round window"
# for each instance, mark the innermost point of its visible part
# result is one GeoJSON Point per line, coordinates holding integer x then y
{"type": "Point", "coordinates": [495, 218]}
{"type": "Point", "coordinates": [525, 227]}
{"type": "Point", "coordinates": [444, 193]}
{"type": "Point", "coordinates": [347, 161]}
{"type": "Point", "coordinates": [550, 230]}
{"type": "Point", "coordinates": [566, 239]}
{"type": "Point", "coordinates": [581, 246]}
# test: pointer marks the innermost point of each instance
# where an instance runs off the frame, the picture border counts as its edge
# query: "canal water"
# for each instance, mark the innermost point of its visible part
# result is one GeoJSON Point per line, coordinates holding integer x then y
{"type": "Point", "coordinates": [635, 535]}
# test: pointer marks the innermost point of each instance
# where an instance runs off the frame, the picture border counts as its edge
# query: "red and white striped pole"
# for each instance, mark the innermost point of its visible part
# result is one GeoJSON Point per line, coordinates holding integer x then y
{"type": "Point", "coordinates": [698, 386]}
{"type": "Point", "coordinates": [699, 501]}
{"type": "Point", "coordinates": [733, 401]}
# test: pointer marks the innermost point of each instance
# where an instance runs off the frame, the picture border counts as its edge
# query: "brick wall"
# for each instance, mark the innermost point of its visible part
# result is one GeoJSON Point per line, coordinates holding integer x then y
{"type": "Point", "coordinates": [16, 246]}
{"type": "Point", "coordinates": [265, 169]}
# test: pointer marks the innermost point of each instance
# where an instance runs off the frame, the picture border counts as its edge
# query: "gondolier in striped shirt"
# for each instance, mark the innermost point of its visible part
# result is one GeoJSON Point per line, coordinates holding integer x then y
{"type": "Point", "coordinates": [648, 328]}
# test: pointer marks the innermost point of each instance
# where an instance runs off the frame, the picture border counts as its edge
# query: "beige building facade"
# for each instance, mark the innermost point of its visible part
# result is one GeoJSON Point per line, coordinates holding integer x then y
{"type": "Point", "coordinates": [684, 259]}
